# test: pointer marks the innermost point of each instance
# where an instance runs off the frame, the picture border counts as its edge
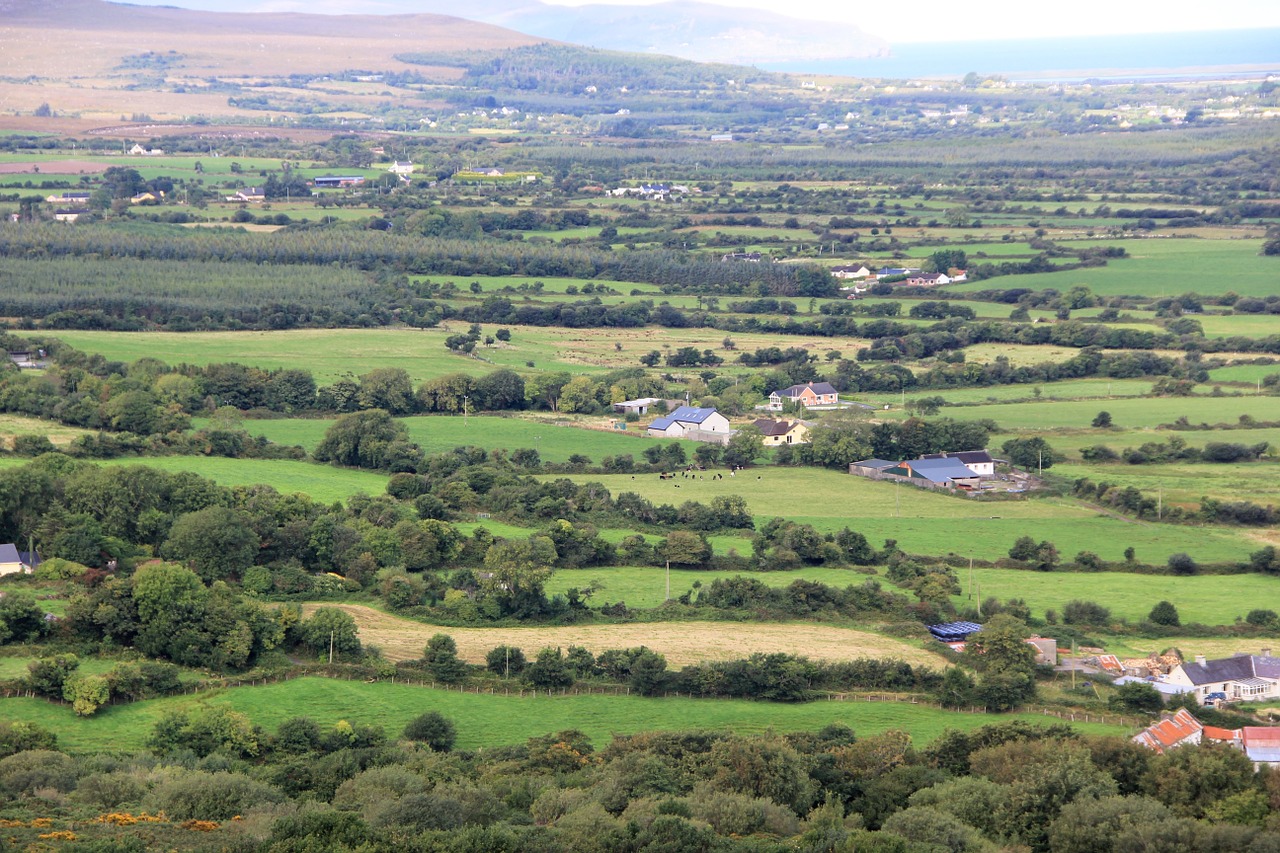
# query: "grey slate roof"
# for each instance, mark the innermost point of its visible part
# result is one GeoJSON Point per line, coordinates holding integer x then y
{"type": "Point", "coordinates": [940, 470]}
{"type": "Point", "coordinates": [875, 464]}
{"type": "Point", "coordinates": [1235, 668]}
{"type": "Point", "coordinates": [818, 388]}
{"type": "Point", "coordinates": [9, 553]}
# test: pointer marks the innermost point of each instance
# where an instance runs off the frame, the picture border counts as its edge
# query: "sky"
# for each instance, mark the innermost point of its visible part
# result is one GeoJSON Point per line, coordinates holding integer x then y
{"type": "Point", "coordinates": [906, 22]}
{"type": "Point", "coordinates": [945, 20]}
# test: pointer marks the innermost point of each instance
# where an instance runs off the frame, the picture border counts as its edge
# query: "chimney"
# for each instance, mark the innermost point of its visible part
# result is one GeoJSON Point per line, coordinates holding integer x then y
{"type": "Point", "coordinates": [1200, 660]}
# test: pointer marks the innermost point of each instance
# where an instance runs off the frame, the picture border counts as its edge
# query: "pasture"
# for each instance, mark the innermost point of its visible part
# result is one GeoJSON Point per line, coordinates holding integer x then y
{"type": "Point", "coordinates": [1206, 599]}
{"type": "Point", "coordinates": [324, 483]}
{"type": "Point", "coordinates": [496, 720]}
{"type": "Point", "coordinates": [1047, 414]}
{"type": "Point", "coordinates": [1163, 267]}
{"type": "Point", "coordinates": [331, 354]}
{"type": "Point", "coordinates": [439, 433]}
{"type": "Point", "coordinates": [682, 643]}
{"type": "Point", "coordinates": [927, 522]}
{"type": "Point", "coordinates": [1186, 483]}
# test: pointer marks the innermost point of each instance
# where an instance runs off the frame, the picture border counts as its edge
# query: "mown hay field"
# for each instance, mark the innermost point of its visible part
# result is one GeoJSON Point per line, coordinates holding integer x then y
{"type": "Point", "coordinates": [682, 643]}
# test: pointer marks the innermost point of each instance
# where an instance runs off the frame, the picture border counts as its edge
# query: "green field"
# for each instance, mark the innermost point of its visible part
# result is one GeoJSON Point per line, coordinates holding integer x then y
{"type": "Point", "coordinates": [926, 522]}
{"type": "Point", "coordinates": [324, 483]}
{"type": "Point", "coordinates": [484, 720]}
{"type": "Point", "coordinates": [1160, 267]}
{"type": "Point", "coordinates": [329, 354]}
{"type": "Point", "coordinates": [1132, 412]}
{"type": "Point", "coordinates": [438, 433]}
{"type": "Point", "coordinates": [1187, 482]}
{"type": "Point", "coordinates": [1207, 599]}
{"type": "Point", "coordinates": [1071, 441]}
{"type": "Point", "coordinates": [1250, 373]}
{"type": "Point", "coordinates": [334, 353]}
{"type": "Point", "coordinates": [645, 586]}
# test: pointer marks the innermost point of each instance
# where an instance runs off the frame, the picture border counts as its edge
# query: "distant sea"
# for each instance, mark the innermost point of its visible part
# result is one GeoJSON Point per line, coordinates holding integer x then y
{"type": "Point", "coordinates": [1153, 56]}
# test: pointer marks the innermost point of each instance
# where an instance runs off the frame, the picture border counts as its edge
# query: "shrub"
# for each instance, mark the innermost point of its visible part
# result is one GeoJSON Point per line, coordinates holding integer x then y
{"type": "Point", "coordinates": [196, 795]}
{"type": "Point", "coordinates": [27, 772]}
{"type": "Point", "coordinates": [1164, 613]}
{"type": "Point", "coordinates": [432, 729]}
{"type": "Point", "coordinates": [505, 659]}
{"type": "Point", "coordinates": [1182, 564]}
{"type": "Point", "coordinates": [1085, 613]}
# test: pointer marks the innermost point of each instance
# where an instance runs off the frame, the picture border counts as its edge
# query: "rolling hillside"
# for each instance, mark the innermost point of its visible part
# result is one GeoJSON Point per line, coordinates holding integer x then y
{"type": "Point", "coordinates": [87, 38]}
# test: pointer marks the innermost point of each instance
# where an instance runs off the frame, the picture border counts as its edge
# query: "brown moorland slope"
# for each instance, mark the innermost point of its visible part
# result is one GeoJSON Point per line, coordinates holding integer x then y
{"type": "Point", "coordinates": [58, 39]}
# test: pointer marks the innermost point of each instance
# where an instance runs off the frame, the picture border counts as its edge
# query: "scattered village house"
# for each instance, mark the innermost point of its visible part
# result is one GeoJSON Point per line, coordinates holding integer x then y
{"type": "Point", "coordinates": [692, 423]}
{"type": "Point", "coordinates": [850, 272]}
{"type": "Point", "coordinates": [927, 279]}
{"type": "Point", "coordinates": [69, 215]}
{"type": "Point", "coordinates": [77, 198]}
{"type": "Point", "coordinates": [809, 394]}
{"type": "Point", "coordinates": [13, 561]}
{"type": "Point", "coordinates": [977, 461]}
{"type": "Point", "coordinates": [401, 167]}
{"type": "Point", "coordinates": [248, 194]}
{"type": "Point", "coordinates": [946, 473]}
{"type": "Point", "coordinates": [1260, 743]}
{"type": "Point", "coordinates": [146, 152]}
{"type": "Point", "coordinates": [776, 433]}
{"type": "Point", "coordinates": [338, 181]}
{"type": "Point", "coordinates": [1243, 677]}
{"type": "Point", "coordinates": [1172, 730]}
{"type": "Point", "coordinates": [640, 406]}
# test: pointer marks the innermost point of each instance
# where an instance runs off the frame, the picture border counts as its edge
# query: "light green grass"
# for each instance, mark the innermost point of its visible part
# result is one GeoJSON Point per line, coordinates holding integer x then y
{"type": "Point", "coordinates": [484, 720]}
{"type": "Point", "coordinates": [645, 586]}
{"type": "Point", "coordinates": [328, 353]}
{"type": "Point", "coordinates": [1186, 483]}
{"type": "Point", "coordinates": [438, 433]}
{"type": "Point", "coordinates": [1250, 373]}
{"type": "Point", "coordinates": [1240, 325]}
{"type": "Point", "coordinates": [927, 522]}
{"type": "Point", "coordinates": [1071, 442]}
{"type": "Point", "coordinates": [1161, 267]}
{"type": "Point", "coordinates": [1207, 599]}
{"type": "Point", "coordinates": [324, 483]}
{"type": "Point", "coordinates": [1048, 414]}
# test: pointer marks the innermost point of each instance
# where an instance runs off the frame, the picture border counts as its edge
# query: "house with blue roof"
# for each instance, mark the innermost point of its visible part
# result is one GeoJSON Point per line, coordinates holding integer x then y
{"type": "Point", "coordinates": [693, 423]}
{"type": "Point", "coordinates": [947, 472]}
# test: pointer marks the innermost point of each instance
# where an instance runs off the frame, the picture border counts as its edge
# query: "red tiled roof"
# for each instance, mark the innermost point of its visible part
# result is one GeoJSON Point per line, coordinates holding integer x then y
{"type": "Point", "coordinates": [1170, 731]}
{"type": "Point", "coordinates": [1216, 733]}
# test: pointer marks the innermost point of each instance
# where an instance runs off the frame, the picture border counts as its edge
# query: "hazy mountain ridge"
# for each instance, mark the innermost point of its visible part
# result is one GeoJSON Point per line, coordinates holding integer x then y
{"type": "Point", "coordinates": [51, 38]}
{"type": "Point", "coordinates": [690, 30]}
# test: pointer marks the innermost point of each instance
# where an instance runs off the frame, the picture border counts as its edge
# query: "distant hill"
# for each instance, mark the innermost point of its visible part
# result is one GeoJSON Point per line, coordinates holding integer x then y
{"type": "Point", "coordinates": [691, 30]}
{"type": "Point", "coordinates": [59, 39]}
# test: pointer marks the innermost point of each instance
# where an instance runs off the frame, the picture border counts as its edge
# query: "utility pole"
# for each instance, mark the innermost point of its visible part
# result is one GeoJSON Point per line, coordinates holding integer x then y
{"type": "Point", "coordinates": [330, 647]}
{"type": "Point", "coordinates": [464, 411]}
{"type": "Point", "coordinates": [668, 580]}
